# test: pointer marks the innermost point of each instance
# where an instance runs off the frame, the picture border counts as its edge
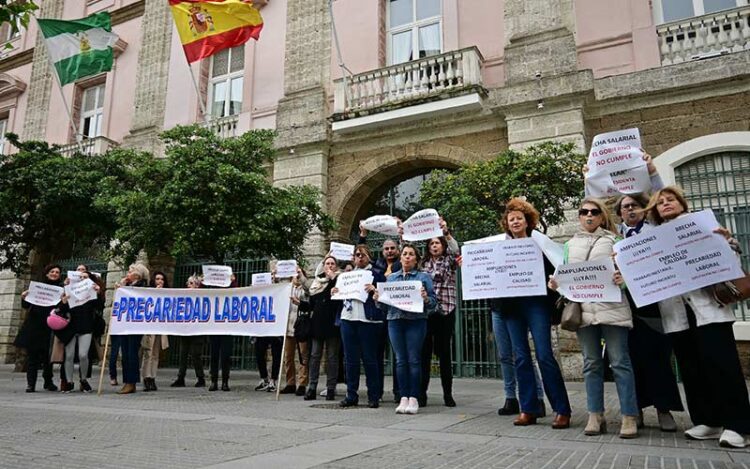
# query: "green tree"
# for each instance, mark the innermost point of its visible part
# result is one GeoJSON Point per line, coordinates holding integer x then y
{"type": "Point", "coordinates": [473, 198]}
{"type": "Point", "coordinates": [208, 198]}
{"type": "Point", "coordinates": [17, 13]}
{"type": "Point", "coordinates": [45, 203]}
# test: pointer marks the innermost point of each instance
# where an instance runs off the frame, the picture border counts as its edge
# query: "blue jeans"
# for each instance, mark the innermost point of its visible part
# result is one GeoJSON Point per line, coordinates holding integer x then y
{"type": "Point", "coordinates": [616, 339]}
{"type": "Point", "coordinates": [407, 337]}
{"type": "Point", "coordinates": [131, 367]}
{"type": "Point", "coordinates": [535, 317]}
{"type": "Point", "coordinates": [504, 349]}
{"type": "Point", "coordinates": [115, 342]}
{"type": "Point", "coordinates": [361, 340]}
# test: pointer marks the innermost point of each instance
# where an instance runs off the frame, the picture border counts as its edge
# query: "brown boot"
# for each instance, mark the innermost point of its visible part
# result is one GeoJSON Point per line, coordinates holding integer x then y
{"type": "Point", "coordinates": [561, 421]}
{"type": "Point", "coordinates": [525, 420]}
{"type": "Point", "coordinates": [127, 389]}
{"type": "Point", "coordinates": [596, 424]}
{"type": "Point", "coordinates": [629, 428]}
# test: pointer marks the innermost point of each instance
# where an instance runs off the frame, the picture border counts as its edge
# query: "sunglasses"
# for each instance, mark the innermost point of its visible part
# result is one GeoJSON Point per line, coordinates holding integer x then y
{"type": "Point", "coordinates": [595, 212]}
{"type": "Point", "coordinates": [360, 254]}
{"type": "Point", "coordinates": [630, 206]}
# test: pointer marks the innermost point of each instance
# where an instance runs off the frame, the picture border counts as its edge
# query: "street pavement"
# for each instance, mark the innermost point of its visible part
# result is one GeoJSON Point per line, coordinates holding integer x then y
{"type": "Point", "coordinates": [189, 427]}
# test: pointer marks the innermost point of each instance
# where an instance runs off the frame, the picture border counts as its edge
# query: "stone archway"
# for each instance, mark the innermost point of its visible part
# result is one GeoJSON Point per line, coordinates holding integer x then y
{"type": "Point", "coordinates": [348, 193]}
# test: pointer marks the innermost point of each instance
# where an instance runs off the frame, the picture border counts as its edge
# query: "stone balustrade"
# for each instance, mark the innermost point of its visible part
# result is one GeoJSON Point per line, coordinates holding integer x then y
{"type": "Point", "coordinates": [89, 146]}
{"type": "Point", "coordinates": [224, 127]}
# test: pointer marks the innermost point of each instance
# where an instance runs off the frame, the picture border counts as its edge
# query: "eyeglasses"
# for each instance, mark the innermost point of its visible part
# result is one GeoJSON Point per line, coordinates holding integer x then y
{"type": "Point", "coordinates": [595, 212]}
{"type": "Point", "coordinates": [630, 206]}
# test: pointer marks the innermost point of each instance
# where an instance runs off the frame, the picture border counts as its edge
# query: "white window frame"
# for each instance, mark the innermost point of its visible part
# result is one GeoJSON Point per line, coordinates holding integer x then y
{"type": "Point", "coordinates": [97, 113]}
{"type": "Point", "coordinates": [414, 28]}
{"type": "Point", "coordinates": [3, 129]}
{"type": "Point", "coordinates": [227, 78]}
{"type": "Point", "coordinates": [698, 8]}
{"type": "Point", "coordinates": [9, 35]}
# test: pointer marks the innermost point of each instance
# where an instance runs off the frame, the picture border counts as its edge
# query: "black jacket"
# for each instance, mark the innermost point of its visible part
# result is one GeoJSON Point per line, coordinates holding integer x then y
{"type": "Point", "coordinates": [34, 333]}
{"type": "Point", "coordinates": [325, 313]}
{"type": "Point", "coordinates": [82, 317]}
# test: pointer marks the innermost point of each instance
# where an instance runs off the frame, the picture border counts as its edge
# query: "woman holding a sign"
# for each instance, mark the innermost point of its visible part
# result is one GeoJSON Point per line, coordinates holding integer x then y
{"type": "Point", "coordinates": [533, 314]}
{"type": "Point", "coordinates": [440, 264]}
{"type": "Point", "coordinates": [35, 334]}
{"type": "Point", "coordinates": [602, 321]}
{"type": "Point", "coordinates": [407, 325]}
{"type": "Point", "coordinates": [705, 347]}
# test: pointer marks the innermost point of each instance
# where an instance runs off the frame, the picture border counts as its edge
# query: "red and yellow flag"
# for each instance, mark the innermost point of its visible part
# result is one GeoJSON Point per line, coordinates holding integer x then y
{"type": "Point", "coordinates": [208, 26]}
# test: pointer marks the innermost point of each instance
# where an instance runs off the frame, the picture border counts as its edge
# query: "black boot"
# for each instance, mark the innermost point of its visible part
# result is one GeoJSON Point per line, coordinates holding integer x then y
{"type": "Point", "coordinates": [510, 408]}
{"type": "Point", "coordinates": [49, 385]}
{"type": "Point", "coordinates": [311, 394]}
{"type": "Point", "coordinates": [153, 384]}
{"type": "Point", "coordinates": [214, 385]}
{"type": "Point", "coordinates": [201, 383]}
{"type": "Point", "coordinates": [225, 385]}
{"type": "Point", "coordinates": [178, 383]}
{"type": "Point", "coordinates": [448, 400]}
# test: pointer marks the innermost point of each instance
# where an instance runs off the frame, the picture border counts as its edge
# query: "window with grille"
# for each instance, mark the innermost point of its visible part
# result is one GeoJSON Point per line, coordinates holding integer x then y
{"type": "Point", "coordinates": [721, 182]}
{"type": "Point", "coordinates": [92, 111]}
{"type": "Point", "coordinates": [226, 81]}
{"type": "Point", "coordinates": [414, 30]}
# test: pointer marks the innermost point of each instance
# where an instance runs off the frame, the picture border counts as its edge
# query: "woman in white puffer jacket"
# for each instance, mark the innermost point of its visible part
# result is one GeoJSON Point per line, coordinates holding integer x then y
{"type": "Point", "coordinates": [603, 321]}
{"type": "Point", "coordinates": [705, 347]}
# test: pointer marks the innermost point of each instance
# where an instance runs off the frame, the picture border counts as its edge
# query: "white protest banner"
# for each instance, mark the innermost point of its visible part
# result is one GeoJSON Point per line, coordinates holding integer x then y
{"type": "Point", "coordinates": [217, 275]}
{"type": "Point", "coordinates": [588, 282]}
{"type": "Point", "coordinates": [675, 258]}
{"type": "Point", "coordinates": [552, 250]}
{"type": "Point", "coordinates": [261, 279]}
{"type": "Point", "coordinates": [502, 269]}
{"type": "Point", "coordinates": [342, 252]}
{"type": "Point", "coordinates": [424, 224]}
{"type": "Point", "coordinates": [286, 269]}
{"type": "Point", "coordinates": [351, 285]}
{"type": "Point", "coordinates": [41, 294]}
{"type": "Point", "coordinates": [406, 296]}
{"type": "Point", "coordinates": [248, 311]}
{"type": "Point", "coordinates": [626, 181]}
{"type": "Point", "coordinates": [80, 293]}
{"type": "Point", "coordinates": [74, 276]}
{"type": "Point", "coordinates": [385, 224]}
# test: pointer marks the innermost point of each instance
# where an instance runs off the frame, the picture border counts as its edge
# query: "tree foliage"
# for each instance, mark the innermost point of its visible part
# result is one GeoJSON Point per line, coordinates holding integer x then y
{"type": "Point", "coordinates": [46, 203]}
{"type": "Point", "coordinates": [209, 198]}
{"type": "Point", "coordinates": [17, 13]}
{"type": "Point", "coordinates": [473, 198]}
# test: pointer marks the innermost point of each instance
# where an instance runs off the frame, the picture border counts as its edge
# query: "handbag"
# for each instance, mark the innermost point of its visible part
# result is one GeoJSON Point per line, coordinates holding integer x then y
{"type": "Point", "coordinates": [733, 291]}
{"type": "Point", "coordinates": [303, 327]}
{"type": "Point", "coordinates": [572, 313]}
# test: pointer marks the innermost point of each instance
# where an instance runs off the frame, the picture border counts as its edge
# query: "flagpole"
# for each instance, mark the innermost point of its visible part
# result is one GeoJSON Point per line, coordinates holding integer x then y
{"type": "Point", "coordinates": [198, 93]}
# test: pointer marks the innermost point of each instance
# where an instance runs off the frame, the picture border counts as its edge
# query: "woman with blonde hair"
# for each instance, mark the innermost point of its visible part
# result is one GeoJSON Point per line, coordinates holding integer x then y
{"type": "Point", "coordinates": [602, 321]}
{"type": "Point", "coordinates": [137, 276]}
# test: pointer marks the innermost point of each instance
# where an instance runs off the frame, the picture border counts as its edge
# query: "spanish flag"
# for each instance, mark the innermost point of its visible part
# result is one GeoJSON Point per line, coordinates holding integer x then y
{"type": "Point", "coordinates": [208, 26]}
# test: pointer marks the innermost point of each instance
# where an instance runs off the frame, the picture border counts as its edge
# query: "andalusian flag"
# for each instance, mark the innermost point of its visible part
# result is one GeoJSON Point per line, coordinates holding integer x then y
{"type": "Point", "coordinates": [208, 26]}
{"type": "Point", "coordinates": [80, 48]}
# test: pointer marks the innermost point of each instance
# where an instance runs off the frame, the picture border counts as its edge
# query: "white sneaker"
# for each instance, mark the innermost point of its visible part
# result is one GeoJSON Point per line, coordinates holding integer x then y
{"type": "Point", "coordinates": [402, 406]}
{"type": "Point", "coordinates": [703, 432]}
{"type": "Point", "coordinates": [413, 406]}
{"type": "Point", "coordinates": [732, 439]}
{"type": "Point", "coordinates": [324, 392]}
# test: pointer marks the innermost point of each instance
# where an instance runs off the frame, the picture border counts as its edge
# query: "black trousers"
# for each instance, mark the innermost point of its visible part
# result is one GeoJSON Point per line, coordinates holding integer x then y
{"type": "Point", "coordinates": [221, 352]}
{"type": "Point", "coordinates": [38, 358]}
{"type": "Point", "coordinates": [651, 355]}
{"type": "Point", "coordinates": [438, 339]}
{"type": "Point", "coordinates": [261, 346]}
{"type": "Point", "coordinates": [710, 368]}
{"type": "Point", "coordinates": [193, 346]}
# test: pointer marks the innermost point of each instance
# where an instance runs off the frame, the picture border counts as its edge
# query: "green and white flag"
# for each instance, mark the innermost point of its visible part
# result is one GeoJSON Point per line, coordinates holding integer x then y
{"type": "Point", "coordinates": [79, 48]}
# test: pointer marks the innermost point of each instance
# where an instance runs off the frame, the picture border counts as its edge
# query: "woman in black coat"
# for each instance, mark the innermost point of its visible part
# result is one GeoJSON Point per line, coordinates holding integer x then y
{"type": "Point", "coordinates": [35, 335]}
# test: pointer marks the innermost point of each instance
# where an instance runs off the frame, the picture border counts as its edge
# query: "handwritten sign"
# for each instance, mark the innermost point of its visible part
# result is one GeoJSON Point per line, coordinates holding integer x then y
{"type": "Point", "coordinates": [286, 269]}
{"type": "Point", "coordinates": [616, 165]}
{"type": "Point", "coordinates": [406, 296]}
{"type": "Point", "coordinates": [424, 224]}
{"type": "Point", "coordinates": [588, 282]}
{"type": "Point", "coordinates": [261, 279]}
{"type": "Point", "coordinates": [342, 252]}
{"type": "Point", "coordinates": [74, 276]}
{"type": "Point", "coordinates": [626, 181]}
{"type": "Point", "coordinates": [80, 293]}
{"type": "Point", "coordinates": [385, 224]}
{"type": "Point", "coordinates": [351, 285]}
{"type": "Point", "coordinates": [503, 269]}
{"type": "Point", "coordinates": [217, 275]}
{"type": "Point", "coordinates": [675, 258]}
{"type": "Point", "coordinates": [41, 294]}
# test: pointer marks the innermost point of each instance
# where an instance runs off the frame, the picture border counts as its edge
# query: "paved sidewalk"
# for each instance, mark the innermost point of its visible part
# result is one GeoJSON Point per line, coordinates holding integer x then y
{"type": "Point", "coordinates": [183, 428]}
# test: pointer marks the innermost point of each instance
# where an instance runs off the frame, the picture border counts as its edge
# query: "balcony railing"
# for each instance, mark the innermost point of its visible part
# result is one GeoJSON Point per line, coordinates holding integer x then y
{"type": "Point", "coordinates": [89, 146]}
{"type": "Point", "coordinates": [396, 84]}
{"type": "Point", "coordinates": [705, 36]}
{"type": "Point", "coordinates": [224, 127]}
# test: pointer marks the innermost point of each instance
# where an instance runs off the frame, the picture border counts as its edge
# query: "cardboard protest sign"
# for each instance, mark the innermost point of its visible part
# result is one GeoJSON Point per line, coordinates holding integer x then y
{"type": "Point", "coordinates": [406, 296]}
{"type": "Point", "coordinates": [41, 294]}
{"type": "Point", "coordinates": [675, 258]}
{"type": "Point", "coordinates": [342, 252]}
{"type": "Point", "coordinates": [385, 224]}
{"type": "Point", "coordinates": [261, 279]}
{"type": "Point", "coordinates": [424, 224]}
{"type": "Point", "coordinates": [286, 269]}
{"type": "Point", "coordinates": [588, 282]}
{"type": "Point", "coordinates": [217, 275]}
{"type": "Point", "coordinates": [351, 285]}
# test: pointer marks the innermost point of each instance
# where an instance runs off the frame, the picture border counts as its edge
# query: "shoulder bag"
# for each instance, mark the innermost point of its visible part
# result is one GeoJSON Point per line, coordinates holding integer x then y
{"type": "Point", "coordinates": [572, 314]}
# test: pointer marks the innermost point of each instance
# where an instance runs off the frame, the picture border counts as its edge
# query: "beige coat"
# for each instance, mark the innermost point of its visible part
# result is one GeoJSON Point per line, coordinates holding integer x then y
{"type": "Point", "coordinates": [613, 314]}
{"type": "Point", "coordinates": [147, 342]}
